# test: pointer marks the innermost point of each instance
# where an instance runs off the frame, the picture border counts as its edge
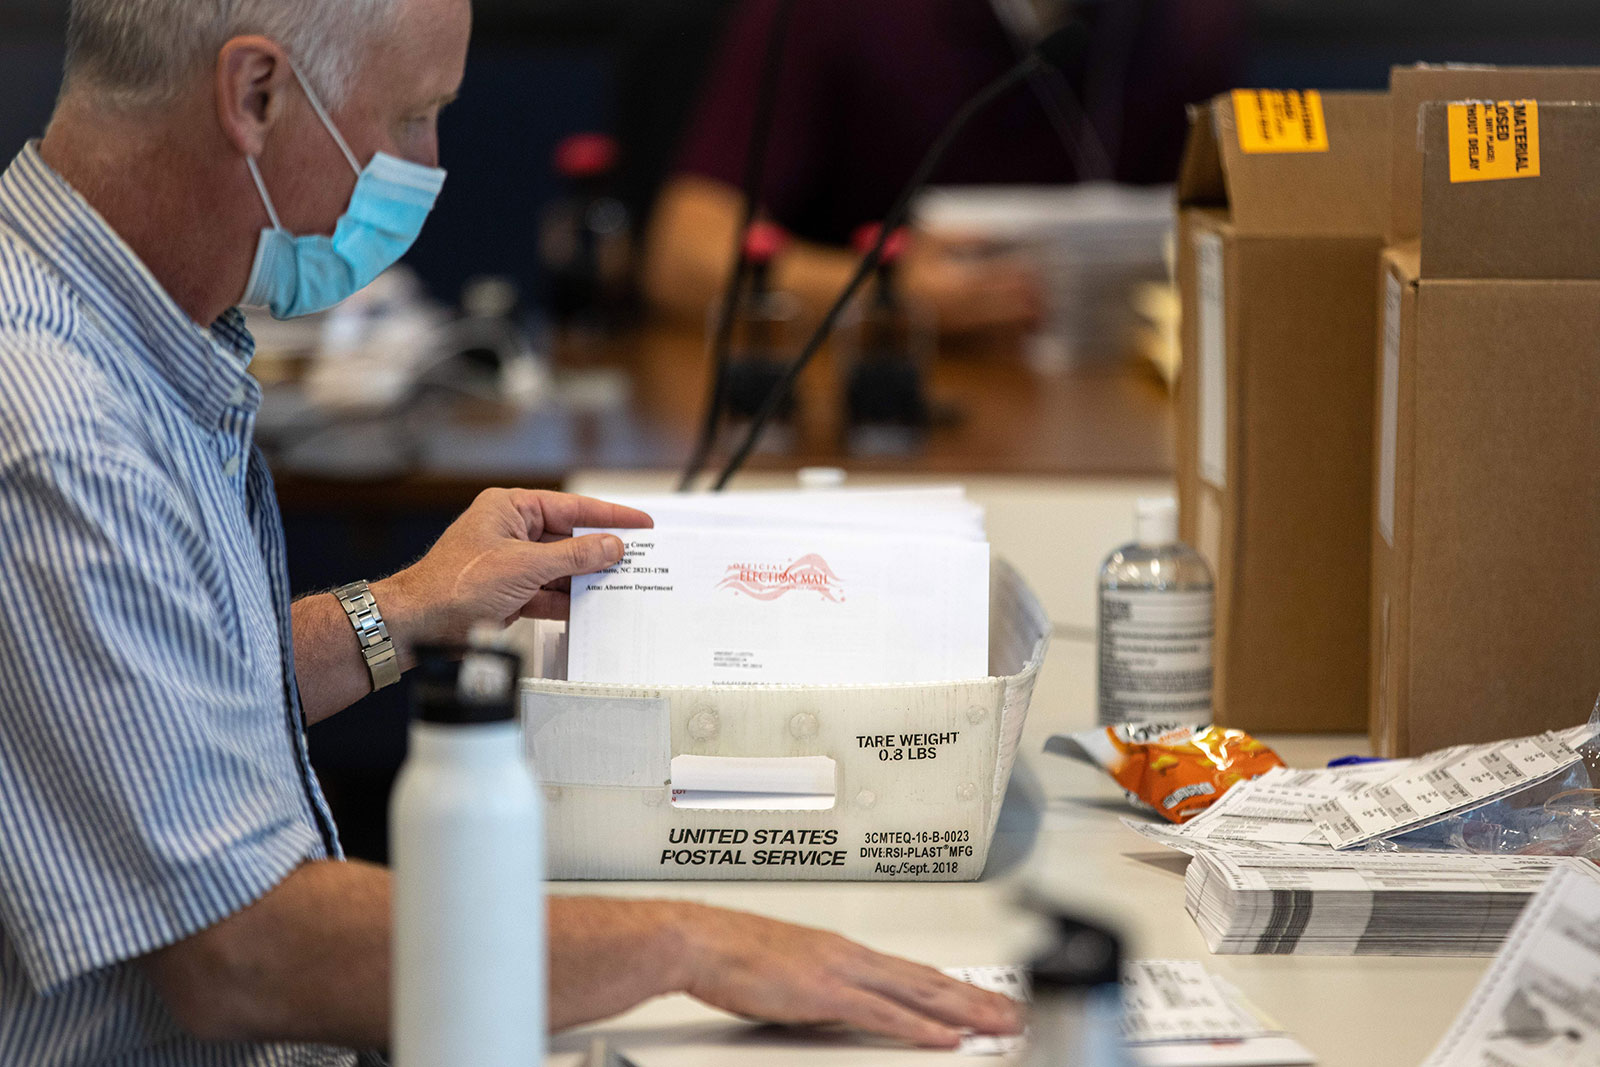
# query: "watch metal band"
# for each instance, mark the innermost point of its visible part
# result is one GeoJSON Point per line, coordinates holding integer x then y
{"type": "Point", "coordinates": [376, 647]}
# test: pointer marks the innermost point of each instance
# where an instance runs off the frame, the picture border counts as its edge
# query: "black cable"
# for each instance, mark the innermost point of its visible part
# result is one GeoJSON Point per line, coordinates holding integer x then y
{"type": "Point", "coordinates": [1054, 91]}
{"type": "Point", "coordinates": [892, 221]}
{"type": "Point", "coordinates": [1119, 28]}
{"type": "Point", "coordinates": [754, 166]}
{"type": "Point", "coordinates": [1065, 111]}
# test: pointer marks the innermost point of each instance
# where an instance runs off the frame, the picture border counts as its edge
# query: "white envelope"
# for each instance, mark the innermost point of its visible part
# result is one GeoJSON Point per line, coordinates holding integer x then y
{"type": "Point", "coordinates": [752, 607]}
{"type": "Point", "coordinates": [931, 511]}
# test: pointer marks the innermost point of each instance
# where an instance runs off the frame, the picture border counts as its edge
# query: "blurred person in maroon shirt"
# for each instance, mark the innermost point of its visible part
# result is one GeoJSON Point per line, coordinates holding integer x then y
{"type": "Point", "coordinates": [864, 88]}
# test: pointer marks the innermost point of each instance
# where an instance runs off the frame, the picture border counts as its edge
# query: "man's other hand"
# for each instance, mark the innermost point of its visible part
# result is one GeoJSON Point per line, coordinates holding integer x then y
{"type": "Point", "coordinates": [511, 555]}
{"type": "Point", "coordinates": [770, 970]}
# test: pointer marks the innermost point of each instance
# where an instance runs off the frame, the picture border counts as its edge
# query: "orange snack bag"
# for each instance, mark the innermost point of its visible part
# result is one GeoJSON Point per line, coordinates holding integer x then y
{"type": "Point", "coordinates": [1175, 771]}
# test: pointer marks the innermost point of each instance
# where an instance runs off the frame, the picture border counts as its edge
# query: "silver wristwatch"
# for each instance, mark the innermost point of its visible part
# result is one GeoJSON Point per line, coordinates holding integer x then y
{"type": "Point", "coordinates": [376, 647]}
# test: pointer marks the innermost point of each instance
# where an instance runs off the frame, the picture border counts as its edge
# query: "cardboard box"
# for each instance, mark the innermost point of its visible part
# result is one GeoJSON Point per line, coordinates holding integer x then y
{"type": "Point", "coordinates": [1277, 251]}
{"type": "Point", "coordinates": [1411, 87]}
{"type": "Point", "coordinates": [1486, 536]}
{"type": "Point", "coordinates": [918, 775]}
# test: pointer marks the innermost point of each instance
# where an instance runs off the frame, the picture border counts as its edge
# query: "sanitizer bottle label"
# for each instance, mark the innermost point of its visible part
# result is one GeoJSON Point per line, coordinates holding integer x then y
{"type": "Point", "coordinates": [1155, 656]}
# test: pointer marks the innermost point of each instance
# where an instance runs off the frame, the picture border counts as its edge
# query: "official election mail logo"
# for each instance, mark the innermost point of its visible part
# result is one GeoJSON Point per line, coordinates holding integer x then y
{"type": "Point", "coordinates": [767, 581]}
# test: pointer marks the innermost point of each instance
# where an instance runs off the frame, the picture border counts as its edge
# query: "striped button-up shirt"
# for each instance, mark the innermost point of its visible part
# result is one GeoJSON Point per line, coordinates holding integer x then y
{"type": "Point", "coordinates": [153, 770]}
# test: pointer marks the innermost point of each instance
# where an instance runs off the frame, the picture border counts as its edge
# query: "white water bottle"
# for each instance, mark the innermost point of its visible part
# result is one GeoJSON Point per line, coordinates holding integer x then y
{"type": "Point", "coordinates": [1155, 625]}
{"type": "Point", "coordinates": [467, 851]}
{"type": "Point", "coordinates": [1077, 1014]}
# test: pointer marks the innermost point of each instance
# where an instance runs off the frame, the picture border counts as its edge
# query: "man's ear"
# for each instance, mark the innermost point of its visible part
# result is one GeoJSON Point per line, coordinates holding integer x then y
{"type": "Point", "coordinates": [252, 78]}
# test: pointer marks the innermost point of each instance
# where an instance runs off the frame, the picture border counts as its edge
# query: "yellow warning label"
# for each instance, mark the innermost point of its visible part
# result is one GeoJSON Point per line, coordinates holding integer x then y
{"type": "Point", "coordinates": [1280, 120]}
{"type": "Point", "coordinates": [1491, 142]}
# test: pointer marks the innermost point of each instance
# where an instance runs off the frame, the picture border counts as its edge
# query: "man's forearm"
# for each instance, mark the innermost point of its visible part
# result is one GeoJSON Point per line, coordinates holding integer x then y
{"type": "Point", "coordinates": [690, 243]}
{"type": "Point", "coordinates": [310, 961]}
{"type": "Point", "coordinates": [307, 962]}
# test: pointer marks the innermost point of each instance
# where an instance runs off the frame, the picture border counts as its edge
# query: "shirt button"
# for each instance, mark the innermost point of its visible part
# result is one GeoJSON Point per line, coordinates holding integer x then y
{"type": "Point", "coordinates": [240, 395]}
{"type": "Point", "coordinates": [231, 467]}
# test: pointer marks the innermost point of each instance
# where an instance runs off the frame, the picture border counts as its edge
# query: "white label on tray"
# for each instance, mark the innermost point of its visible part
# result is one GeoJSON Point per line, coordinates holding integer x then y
{"type": "Point", "coordinates": [599, 741]}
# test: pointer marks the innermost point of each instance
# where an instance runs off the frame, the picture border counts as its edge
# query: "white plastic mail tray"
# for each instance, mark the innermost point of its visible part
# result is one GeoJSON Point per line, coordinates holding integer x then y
{"type": "Point", "coordinates": [782, 782]}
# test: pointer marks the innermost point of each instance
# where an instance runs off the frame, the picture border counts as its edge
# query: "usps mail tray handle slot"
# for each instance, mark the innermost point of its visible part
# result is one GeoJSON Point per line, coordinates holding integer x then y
{"type": "Point", "coordinates": [754, 783]}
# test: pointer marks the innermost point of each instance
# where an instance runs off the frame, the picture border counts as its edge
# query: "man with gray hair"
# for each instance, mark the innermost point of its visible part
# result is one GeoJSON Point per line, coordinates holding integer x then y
{"type": "Point", "coordinates": [171, 885]}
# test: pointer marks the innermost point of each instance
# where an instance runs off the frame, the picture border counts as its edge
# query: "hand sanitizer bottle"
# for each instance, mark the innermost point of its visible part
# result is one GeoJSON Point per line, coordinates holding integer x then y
{"type": "Point", "coordinates": [467, 849]}
{"type": "Point", "coordinates": [1155, 625]}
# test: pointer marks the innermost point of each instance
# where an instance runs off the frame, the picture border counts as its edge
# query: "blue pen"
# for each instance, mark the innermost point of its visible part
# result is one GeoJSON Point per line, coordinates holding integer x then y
{"type": "Point", "coordinates": [1351, 761]}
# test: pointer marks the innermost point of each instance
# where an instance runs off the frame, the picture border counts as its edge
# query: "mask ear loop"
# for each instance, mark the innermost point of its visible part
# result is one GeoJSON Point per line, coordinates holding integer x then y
{"type": "Point", "coordinates": [327, 122]}
{"type": "Point", "coordinates": [261, 187]}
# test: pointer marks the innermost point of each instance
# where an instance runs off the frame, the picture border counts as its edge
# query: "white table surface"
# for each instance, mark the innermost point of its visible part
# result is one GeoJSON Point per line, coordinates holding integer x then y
{"type": "Point", "coordinates": [1059, 835]}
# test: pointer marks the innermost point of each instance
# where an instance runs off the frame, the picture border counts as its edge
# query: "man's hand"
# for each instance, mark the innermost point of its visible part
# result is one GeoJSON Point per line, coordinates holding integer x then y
{"type": "Point", "coordinates": [774, 971]}
{"type": "Point", "coordinates": [608, 955]}
{"type": "Point", "coordinates": [510, 555]}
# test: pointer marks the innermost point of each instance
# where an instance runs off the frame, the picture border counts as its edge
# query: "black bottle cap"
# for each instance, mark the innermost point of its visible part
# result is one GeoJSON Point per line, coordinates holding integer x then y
{"type": "Point", "coordinates": [1083, 956]}
{"type": "Point", "coordinates": [459, 686]}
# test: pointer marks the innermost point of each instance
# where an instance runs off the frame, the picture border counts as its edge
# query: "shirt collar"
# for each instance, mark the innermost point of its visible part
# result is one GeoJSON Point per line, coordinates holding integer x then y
{"type": "Point", "coordinates": [204, 367]}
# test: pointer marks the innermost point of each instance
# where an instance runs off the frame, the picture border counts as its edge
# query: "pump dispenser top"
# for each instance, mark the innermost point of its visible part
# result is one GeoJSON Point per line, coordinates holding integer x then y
{"type": "Point", "coordinates": [1156, 521]}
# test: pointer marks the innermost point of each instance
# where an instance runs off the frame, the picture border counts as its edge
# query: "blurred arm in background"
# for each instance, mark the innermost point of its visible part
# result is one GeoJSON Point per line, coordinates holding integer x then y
{"type": "Point", "coordinates": [691, 241]}
{"type": "Point", "coordinates": [866, 86]}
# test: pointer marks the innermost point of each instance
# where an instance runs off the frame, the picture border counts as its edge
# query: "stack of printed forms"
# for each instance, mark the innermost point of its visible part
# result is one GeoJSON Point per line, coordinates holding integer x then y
{"type": "Point", "coordinates": [1278, 864]}
{"type": "Point", "coordinates": [1362, 903]}
{"type": "Point", "coordinates": [814, 587]}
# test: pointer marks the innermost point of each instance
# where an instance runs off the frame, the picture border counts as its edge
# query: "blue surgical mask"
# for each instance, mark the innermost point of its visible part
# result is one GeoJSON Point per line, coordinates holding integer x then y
{"type": "Point", "coordinates": [296, 276]}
